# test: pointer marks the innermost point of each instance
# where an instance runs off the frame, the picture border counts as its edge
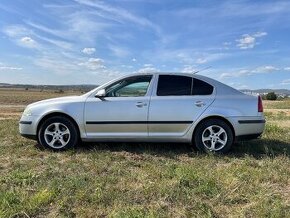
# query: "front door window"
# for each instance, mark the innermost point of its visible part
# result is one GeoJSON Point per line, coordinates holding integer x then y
{"type": "Point", "coordinates": [130, 87]}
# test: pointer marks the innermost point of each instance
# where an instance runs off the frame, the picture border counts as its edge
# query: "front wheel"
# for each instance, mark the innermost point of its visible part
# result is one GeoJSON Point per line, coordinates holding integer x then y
{"type": "Point", "coordinates": [213, 135]}
{"type": "Point", "coordinates": [58, 133]}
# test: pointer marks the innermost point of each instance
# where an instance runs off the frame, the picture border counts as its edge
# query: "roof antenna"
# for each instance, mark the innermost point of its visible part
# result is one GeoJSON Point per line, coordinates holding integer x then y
{"type": "Point", "coordinates": [203, 69]}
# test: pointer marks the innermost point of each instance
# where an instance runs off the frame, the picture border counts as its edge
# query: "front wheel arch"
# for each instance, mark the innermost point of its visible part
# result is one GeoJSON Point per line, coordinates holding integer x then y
{"type": "Point", "coordinates": [54, 114]}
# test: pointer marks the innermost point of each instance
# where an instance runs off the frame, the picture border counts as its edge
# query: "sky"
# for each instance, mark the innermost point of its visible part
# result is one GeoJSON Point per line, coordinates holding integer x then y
{"type": "Point", "coordinates": [245, 43]}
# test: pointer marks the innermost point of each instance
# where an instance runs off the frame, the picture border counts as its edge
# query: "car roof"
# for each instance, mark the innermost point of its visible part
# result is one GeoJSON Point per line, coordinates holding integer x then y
{"type": "Point", "coordinates": [177, 74]}
{"type": "Point", "coordinates": [223, 88]}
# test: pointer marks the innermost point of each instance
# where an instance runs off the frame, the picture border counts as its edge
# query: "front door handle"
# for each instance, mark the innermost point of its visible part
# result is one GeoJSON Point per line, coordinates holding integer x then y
{"type": "Point", "coordinates": [141, 104]}
{"type": "Point", "coordinates": [199, 103]}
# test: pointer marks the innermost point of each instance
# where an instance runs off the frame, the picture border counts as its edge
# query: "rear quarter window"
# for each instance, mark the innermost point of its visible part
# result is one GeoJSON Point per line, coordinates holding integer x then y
{"type": "Point", "coordinates": [200, 87]}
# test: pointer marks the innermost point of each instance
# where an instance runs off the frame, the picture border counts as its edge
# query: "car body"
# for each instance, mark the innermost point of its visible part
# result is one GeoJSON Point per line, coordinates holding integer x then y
{"type": "Point", "coordinates": [150, 107]}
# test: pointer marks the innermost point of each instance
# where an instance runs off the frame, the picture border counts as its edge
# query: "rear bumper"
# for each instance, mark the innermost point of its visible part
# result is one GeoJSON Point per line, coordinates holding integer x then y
{"type": "Point", "coordinates": [248, 137]}
{"type": "Point", "coordinates": [248, 127]}
{"type": "Point", "coordinates": [251, 121]}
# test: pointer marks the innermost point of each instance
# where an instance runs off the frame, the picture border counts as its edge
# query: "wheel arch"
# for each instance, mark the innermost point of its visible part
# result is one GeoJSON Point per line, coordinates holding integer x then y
{"type": "Point", "coordinates": [215, 117]}
{"type": "Point", "coordinates": [54, 114]}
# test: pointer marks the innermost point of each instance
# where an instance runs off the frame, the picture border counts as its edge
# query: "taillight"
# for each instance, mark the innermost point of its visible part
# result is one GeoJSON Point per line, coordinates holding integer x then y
{"type": "Point", "coordinates": [260, 104]}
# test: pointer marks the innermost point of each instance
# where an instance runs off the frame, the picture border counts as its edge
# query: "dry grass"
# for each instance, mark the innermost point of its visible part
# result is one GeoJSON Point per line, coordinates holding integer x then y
{"type": "Point", "coordinates": [145, 180]}
{"type": "Point", "coordinates": [24, 97]}
{"type": "Point", "coordinates": [282, 104]}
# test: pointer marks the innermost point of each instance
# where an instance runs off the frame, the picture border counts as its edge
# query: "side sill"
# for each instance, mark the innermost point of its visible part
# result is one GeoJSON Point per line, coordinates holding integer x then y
{"type": "Point", "coordinates": [33, 137]}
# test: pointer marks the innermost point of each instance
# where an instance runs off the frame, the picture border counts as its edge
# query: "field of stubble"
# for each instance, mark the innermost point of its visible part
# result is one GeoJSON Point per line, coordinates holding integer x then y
{"type": "Point", "coordinates": [142, 180]}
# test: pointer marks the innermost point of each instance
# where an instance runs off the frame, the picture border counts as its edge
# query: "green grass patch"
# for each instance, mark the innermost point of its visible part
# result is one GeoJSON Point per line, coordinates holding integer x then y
{"type": "Point", "coordinates": [143, 179]}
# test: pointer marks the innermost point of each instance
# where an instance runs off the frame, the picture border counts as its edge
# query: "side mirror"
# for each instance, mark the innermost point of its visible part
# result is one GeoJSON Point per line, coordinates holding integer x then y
{"type": "Point", "coordinates": [101, 93]}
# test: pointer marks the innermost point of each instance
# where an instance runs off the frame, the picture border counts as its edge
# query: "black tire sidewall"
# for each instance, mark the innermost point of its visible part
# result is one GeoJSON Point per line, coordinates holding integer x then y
{"type": "Point", "coordinates": [197, 138]}
{"type": "Point", "coordinates": [58, 119]}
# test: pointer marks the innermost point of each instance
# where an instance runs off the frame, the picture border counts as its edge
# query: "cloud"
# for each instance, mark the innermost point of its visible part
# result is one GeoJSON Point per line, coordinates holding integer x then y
{"type": "Point", "coordinates": [56, 64]}
{"type": "Point", "coordinates": [6, 68]}
{"type": "Point", "coordinates": [27, 37]}
{"type": "Point", "coordinates": [246, 42]}
{"type": "Point", "coordinates": [77, 26]}
{"type": "Point", "coordinates": [265, 69]}
{"type": "Point", "coordinates": [16, 31]}
{"type": "Point", "coordinates": [119, 51]}
{"type": "Point", "coordinates": [134, 59]}
{"type": "Point", "coordinates": [148, 65]}
{"type": "Point", "coordinates": [238, 85]}
{"type": "Point", "coordinates": [94, 64]}
{"type": "Point", "coordinates": [226, 45]}
{"type": "Point", "coordinates": [148, 70]}
{"type": "Point", "coordinates": [247, 72]}
{"type": "Point", "coordinates": [127, 66]}
{"type": "Point", "coordinates": [58, 43]}
{"type": "Point", "coordinates": [247, 9]}
{"type": "Point", "coordinates": [201, 60]}
{"type": "Point", "coordinates": [27, 41]}
{"type": "Point", "coordinates": [21, 35]}
{"type": "Point", "coordinates": [260, 34]}
{"type": "Point", "coordinates": [249, 41]}
{"type": "Point", "coordinates": [89, 51]}
{"type": "Point", "coordinates": [209, 57]}
{"type": "Point", "coordinates": [119, 14]}
{"type": "Point", "coordinates": [188, 69]}
{"type": "Point", "coordinates": [285, 82]}
{"type": "Point", "coordinates": [185, 56]}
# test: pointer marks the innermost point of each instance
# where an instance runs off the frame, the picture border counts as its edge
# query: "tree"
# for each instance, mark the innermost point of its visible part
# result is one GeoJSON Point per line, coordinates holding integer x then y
{"type": "Point", "coordinates": [271, 96]}
{"type": "Point", "coordinates": [263, 96]}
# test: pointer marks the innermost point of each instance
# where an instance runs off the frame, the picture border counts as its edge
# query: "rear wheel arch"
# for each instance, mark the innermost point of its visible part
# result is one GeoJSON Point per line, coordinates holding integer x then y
{"type": "Point", "coordinates": [213, 134]}
{"type": "Point", "coordinates": [218, 118]}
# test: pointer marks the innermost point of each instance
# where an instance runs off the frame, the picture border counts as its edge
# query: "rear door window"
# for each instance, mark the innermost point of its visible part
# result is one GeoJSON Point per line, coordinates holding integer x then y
{"type": "Point", "coordinates": [172, 85]}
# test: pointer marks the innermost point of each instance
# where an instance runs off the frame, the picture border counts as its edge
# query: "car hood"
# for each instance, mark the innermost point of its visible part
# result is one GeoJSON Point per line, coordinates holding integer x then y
{"type": "Point", "coordinates": [67, 99]}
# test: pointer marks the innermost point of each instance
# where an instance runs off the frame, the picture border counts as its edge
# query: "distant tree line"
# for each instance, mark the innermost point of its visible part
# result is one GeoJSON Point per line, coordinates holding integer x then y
{"type": "Point", "coordinates": [270, 96]}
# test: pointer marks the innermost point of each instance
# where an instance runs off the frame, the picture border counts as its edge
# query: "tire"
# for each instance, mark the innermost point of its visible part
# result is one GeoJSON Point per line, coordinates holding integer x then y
{"type": "Point", "coordinates": [58, 133]}
{"type": "Point", "coordinates": [213, 135]}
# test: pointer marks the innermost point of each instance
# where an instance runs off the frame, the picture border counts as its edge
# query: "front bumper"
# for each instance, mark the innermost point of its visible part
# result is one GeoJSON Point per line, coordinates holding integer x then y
{"type": "Point", "coordinates": [28, 127]}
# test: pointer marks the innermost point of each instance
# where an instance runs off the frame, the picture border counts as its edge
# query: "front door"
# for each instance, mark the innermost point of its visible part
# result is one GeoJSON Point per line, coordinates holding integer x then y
{"type": "Point", "coordinates": [122, 112]}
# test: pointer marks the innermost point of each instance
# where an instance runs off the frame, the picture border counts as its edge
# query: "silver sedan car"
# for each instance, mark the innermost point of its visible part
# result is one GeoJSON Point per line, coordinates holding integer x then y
{"type": "Point", "coordinates": [153, 107]}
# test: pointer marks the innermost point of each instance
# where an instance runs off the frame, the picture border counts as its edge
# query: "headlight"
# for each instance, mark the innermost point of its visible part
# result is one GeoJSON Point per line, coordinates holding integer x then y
{"type": "Point", "coordinates": [27, 112]}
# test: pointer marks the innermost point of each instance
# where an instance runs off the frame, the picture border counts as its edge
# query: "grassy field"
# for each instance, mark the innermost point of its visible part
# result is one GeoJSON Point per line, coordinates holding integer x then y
{"type": "Point", "coordinates": [143, 180]}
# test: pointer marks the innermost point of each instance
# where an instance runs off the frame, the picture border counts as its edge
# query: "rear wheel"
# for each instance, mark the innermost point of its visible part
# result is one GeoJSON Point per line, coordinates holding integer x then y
{"type": "Point", "coordinates": [213, 135]}
{"type": "Point", "coordinates": [58, 133]}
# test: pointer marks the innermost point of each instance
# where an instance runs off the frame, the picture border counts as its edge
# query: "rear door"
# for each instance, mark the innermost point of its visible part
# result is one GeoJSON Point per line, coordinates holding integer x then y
{"type": "Point", "coordinates": [176, 102]}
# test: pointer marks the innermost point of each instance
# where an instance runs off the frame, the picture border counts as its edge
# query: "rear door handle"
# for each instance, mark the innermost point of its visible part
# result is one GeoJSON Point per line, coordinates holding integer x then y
{"type": "Point", "coordinates": [199, 103]}
{"type": "Point", "coordinates": [141, 104]}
